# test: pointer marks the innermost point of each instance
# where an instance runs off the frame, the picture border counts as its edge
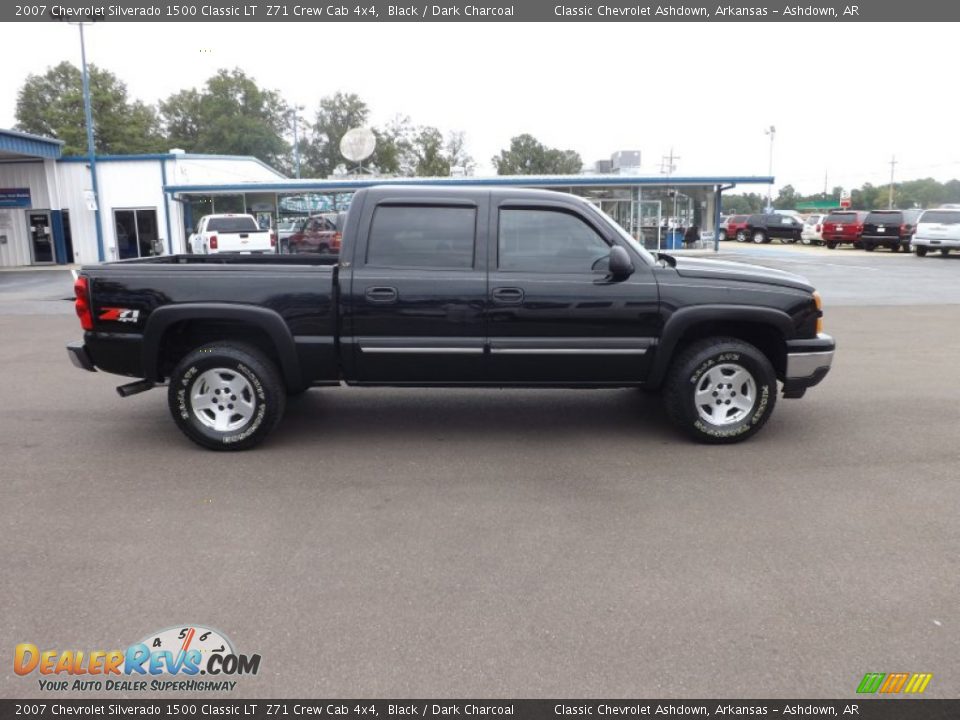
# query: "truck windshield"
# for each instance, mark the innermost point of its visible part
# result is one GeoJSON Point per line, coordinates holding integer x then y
{"type": "Point", "coordinates": [232, 225]}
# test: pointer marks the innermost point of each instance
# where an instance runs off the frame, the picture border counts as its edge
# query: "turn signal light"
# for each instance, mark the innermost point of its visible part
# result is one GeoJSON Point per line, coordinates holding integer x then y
{"type": "Point", "coordinates": [82, 304]}
{"type": "Point", "coordinates": [819, 303]}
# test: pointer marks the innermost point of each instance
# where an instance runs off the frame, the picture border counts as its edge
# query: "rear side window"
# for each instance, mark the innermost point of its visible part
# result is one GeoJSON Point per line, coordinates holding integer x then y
{"type": "Point", "coordinates": [944, 217]}
{"type": "Point", "coordinates": [232, 225]}
{"type": "Point", "coordinates": [737, 219]}
{"type": "Point", "coordinates": [422, 236]}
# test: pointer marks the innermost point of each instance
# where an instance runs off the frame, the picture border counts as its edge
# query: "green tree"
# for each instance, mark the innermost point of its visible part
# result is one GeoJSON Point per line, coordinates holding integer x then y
{"type": "Point", "coordinates": [231, 115]}
{"type": "Point", "coordinates": [394, 151]}
{"type": "Point", "coordinates": [52, 105]}
{"type": "Point", "coordinates": [787, 198]}
{"type": "Point", "coordinates": [528, 156]}
{"type": "Point", "coordinates": [742, 203]}
{"type": "Point", "coordinates": [337, 114]}
{"type": "Point", "coordinates": [432, 160]}
{"type": "Point", "coordinates": [457, 152]}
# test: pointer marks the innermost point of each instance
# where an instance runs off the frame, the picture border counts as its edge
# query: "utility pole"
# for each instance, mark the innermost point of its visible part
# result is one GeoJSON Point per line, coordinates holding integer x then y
{"type": "Point", "coordinates": [824, 184]}
{"type": "Point", "coordinates": [893, 162]}
{"type": "Point", "coordinates": [667, 165]}
{"type": "Point", "coordinates": [771, 131]}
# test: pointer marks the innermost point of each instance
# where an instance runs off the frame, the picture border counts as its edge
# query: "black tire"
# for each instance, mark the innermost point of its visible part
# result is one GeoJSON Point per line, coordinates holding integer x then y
{"type": "Point", "coordinates": [759, 237]}
{"type": "Point", "coordinates": [895, 248]}
{"type": "Point", "coordinates": [869, 247]}
{"type": "Point", "coordinates": [944, 252]}
{"type": "Point", "coordinates": [921, 250]}
{"type": "Point", "coordinates": [722, 235]}
{"type": "Point", "coordinates": [692, 367]}
{"type": "Point", "coordinates": [264, 394]}
{"type": "Point", "coordinates": [831, 246]}
{"type": "Point", "coordinates": [741, 236]}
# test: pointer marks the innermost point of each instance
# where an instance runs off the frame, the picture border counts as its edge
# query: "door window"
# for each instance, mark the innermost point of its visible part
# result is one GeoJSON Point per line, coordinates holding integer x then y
{"type": "Point", "coordinates": [548, 241]}
{"type": "Point", "coordinates": [423, 237]}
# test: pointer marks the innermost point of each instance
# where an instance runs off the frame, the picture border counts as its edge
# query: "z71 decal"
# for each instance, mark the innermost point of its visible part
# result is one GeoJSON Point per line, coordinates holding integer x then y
{"type": "Point", "coordinates": [123, 315]}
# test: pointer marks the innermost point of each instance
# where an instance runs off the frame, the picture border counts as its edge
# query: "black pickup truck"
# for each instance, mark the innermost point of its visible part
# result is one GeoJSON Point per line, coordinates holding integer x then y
{"type": "Point", "coordinates": [467, 286]}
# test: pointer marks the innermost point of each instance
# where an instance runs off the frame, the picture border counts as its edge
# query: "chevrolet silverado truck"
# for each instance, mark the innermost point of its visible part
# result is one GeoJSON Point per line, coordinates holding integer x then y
{"type": "Point", "coordinates": [454, 287]}
{"type": "Point", "coordinates": [231, 233]}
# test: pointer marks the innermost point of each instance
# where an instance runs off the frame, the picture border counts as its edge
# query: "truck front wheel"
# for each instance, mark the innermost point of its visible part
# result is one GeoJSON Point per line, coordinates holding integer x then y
{"type": "Point", "coordinates": [226, 396]}
{"type": "Point", "coordinates": [720, 390]}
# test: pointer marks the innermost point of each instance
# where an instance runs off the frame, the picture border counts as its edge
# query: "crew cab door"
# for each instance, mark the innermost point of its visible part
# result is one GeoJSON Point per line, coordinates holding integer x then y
{"type": "Point", "coordinates": [414, 306]}
{"type": "Point", "coordinates": [555, 313]}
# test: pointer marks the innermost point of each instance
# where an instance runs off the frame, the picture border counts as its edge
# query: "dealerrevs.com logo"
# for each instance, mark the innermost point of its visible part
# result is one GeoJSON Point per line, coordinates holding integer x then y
{"type": "Point", "coordinates": [185, 659]}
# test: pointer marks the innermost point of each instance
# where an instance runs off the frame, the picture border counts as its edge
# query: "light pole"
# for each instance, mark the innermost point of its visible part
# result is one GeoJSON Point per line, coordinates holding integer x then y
{"type": "Point", "coordinates": [91, 152]}
{"type": "Point", "coordinates": [296, 141]}
{"type": "Point", "coordinates": [771, 131]}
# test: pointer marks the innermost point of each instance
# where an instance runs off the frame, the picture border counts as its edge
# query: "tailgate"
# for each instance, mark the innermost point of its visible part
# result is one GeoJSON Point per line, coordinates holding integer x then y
{"type": "Point", "coordinates": [244, 241]}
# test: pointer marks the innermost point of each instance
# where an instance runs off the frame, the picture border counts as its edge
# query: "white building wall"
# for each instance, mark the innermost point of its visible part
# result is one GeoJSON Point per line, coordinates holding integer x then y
{"type": "Point", "coordinates": [13, 221]}
{"type": "Point", "coordinates": [124, 184]}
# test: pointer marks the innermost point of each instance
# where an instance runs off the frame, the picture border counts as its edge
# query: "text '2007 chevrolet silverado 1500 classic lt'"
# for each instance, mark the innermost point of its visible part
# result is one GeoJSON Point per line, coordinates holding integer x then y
{"type": "Point", "coordinates": [465, 286]}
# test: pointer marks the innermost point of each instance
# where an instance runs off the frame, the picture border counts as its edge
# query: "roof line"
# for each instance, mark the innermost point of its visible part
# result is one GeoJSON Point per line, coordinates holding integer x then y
{"type": "Point", "coordinates": [502, 180]}
{"type": "Point", "coordinates": [31, 136]}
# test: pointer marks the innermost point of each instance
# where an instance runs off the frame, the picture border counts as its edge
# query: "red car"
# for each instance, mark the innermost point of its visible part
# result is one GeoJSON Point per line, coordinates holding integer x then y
{"type": "Point", "coordinates": [843, 227]}
{"type": "Point", "coordinates": [317, 234]}
{"type": "Point", "coordinates": [736, 227]}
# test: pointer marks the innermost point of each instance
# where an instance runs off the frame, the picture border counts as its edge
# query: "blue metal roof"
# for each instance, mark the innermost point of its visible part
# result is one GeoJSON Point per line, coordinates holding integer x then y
{"type": "Point", "coordinates": [36, 146]}
{"type": "Point", "coordinates": [334, 185]}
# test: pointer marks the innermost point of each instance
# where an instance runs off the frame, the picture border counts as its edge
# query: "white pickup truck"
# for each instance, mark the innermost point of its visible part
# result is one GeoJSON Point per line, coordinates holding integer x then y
{"type": "Point", "coordinates": [231, 233]}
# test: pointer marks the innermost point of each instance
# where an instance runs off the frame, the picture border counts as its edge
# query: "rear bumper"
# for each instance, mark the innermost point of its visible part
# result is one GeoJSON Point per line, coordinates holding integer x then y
{"type": "Point", "coordinates": [77, 352]}
{"type": "Point", "coordinates": [937, 243]}
{"type": "Point", "coordinates": [808, 362]}
{"type": "Point", "coordinates": [887, 239]}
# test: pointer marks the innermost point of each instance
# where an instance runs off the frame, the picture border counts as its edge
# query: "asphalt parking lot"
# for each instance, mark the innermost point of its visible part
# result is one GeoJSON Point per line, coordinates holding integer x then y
{"type": "Point", "coordinates": [507, 543]}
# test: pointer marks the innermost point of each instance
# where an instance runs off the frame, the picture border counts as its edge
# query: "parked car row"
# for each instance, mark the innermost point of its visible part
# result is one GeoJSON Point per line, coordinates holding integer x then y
{"type": "Point", "coordinates": [897, 230]}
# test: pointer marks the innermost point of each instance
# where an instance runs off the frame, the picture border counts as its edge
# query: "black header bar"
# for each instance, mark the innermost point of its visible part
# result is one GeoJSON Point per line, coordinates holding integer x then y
{"type": "Point", "coordinates": [482, 11]}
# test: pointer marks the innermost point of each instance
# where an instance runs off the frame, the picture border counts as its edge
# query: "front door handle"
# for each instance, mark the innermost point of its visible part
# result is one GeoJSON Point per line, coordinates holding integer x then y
{"type": "Point", "coordinates": [381, 295]}
{"type": "Point", "coordinates": [507, 295]}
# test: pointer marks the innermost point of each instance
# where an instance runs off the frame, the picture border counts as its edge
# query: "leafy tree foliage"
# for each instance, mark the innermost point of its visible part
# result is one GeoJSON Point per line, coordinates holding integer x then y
{"type": "Point", "coordinates": [743, 204]}
{"type": "Point", "coordinates": [231, 115]}
{"type": "Point", "coordinates": [51, 104]}
{"type": "Point", "coordinates": [337, 114]}
{"type": "Point", "coordinates": [528, 156]}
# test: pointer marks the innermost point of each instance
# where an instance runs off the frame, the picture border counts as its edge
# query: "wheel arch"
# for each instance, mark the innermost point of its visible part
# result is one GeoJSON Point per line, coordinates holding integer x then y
{"type": "Point", "coordinates": [767, 329]}
{"type": "Point", "coordinates": [261, 327]}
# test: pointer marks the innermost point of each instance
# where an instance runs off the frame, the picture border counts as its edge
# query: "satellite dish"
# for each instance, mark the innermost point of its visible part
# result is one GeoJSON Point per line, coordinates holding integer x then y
{"type": "Point", "coordinates": [358, 144]}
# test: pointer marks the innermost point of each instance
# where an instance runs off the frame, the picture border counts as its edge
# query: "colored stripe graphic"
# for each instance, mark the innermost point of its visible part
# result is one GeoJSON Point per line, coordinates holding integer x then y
{"type": "Point", "coordinates": [918, 683]}
{"type": "Point", "coordinates": [870, 683]}
{"type": "Point", "coordinates": [894, 682]}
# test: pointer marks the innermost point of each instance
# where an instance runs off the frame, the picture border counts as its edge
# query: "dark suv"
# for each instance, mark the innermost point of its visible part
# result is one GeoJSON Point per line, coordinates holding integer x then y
{"type": "Point", "coordinates": [763, 228]}
{"type": "Point", "coordinates": [889, 228]}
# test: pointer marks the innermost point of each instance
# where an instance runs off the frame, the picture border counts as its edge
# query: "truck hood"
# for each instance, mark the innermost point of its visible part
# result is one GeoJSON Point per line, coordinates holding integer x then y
{"type": "Point", "coordinates": [744, 272]}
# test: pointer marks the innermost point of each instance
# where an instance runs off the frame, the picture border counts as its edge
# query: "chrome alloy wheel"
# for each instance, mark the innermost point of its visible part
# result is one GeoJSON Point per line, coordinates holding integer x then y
{"type": "Point", "coordinates": [725, 394]}
{"type": "Point", "coordinates": [222, 399]}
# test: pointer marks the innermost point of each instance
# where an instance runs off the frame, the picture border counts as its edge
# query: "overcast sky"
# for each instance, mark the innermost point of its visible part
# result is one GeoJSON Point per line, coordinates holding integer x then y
{"type": "Point", "coordinates": [706, 90]}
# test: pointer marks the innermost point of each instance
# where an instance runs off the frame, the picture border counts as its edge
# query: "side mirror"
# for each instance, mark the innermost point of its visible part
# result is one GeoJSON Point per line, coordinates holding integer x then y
{"type": "Point", "coordinates": [620, 264]}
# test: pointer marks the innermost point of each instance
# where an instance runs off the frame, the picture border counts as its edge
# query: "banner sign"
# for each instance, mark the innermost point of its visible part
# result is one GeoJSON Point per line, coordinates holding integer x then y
{"type": "Point", "coordinates": [14, 197]}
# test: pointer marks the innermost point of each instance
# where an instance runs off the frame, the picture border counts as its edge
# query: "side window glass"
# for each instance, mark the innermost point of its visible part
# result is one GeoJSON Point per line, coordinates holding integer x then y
{"type": "Point", "coordinates": [548, 241]}
{"type": "Point", "coordinates": [419, 236]}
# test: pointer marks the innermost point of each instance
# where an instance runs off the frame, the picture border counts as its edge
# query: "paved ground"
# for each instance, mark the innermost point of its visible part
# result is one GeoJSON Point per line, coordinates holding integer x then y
{"type": "Point", "coordinates": [504, 543]}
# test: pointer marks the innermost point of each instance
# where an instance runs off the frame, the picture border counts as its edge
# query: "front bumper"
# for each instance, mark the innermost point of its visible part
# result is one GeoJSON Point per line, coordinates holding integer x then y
{"type": "Point", "coordinates": [808, 362]}
{"type": "Point", "coordinates": [77, 352]}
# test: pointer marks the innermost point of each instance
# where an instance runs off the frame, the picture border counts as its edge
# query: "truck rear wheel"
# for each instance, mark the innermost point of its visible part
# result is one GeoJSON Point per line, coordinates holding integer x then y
{"type": "Point", "coordinates": [921, 250]}
{"type": "Point", "coordinates": [720, 390]}
{"type": "Point", "coordinates": [226, 396]}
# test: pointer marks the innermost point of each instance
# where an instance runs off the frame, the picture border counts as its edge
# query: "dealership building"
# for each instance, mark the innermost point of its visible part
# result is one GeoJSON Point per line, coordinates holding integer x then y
{"type": "Point", "coordinates": [146, 204]}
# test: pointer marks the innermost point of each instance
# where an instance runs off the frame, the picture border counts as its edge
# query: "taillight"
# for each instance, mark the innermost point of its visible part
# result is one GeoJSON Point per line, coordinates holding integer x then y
{"type": "Point", "coordinates": [82, 304]}
{"type": "Point", "coordinates": [337, 239]}
{"type": "Point", "coordinates": [273, 239]}
{"type": "Point", "coordinates": [819, 227]}
{"type": "Point", "coordinates": [213, 242]}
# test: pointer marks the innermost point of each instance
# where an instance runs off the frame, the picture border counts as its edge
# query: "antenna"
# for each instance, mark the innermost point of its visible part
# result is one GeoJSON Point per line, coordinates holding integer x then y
{"type": "Point", "coordinates": [357, 145]}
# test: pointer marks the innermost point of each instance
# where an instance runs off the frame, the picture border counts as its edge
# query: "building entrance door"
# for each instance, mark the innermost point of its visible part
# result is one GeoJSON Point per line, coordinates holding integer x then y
{"type": "Point", "coordinates": [651, 220]}
{"type": "Point", "coordinates": [41, 237]}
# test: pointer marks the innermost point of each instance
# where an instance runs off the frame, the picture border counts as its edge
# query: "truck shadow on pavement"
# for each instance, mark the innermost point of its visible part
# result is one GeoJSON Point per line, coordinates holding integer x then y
{"type": "Point", "coordinates": [415, 414]}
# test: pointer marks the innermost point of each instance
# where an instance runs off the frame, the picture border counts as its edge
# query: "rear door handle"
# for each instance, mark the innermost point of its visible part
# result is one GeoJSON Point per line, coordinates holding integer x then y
{"type": "Point", "coordinates": [507, 295]}
{"type": "Point", "coordinates": [381, 295]}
